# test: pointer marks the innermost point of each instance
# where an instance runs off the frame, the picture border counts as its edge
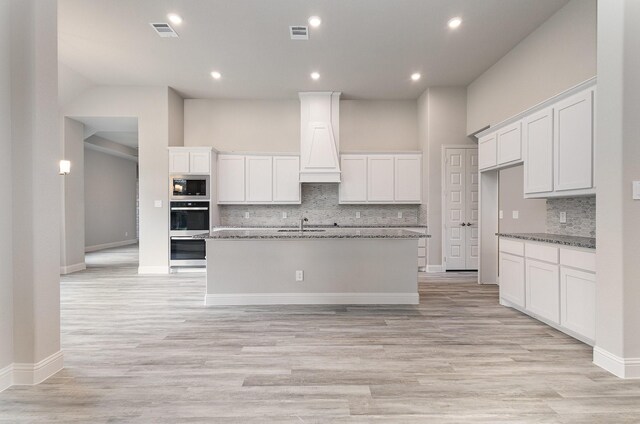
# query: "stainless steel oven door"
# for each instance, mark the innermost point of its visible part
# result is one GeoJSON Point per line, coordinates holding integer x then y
{"type": "Point", "coordinates": [187, 251]}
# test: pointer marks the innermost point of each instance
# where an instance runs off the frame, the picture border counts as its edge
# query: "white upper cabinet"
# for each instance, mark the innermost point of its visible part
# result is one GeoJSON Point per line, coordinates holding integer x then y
{"type": "Point", "coordinates": [487, 151]}
{"type": "Point", "coordinates": [353, 187]}
{"type": "Point", "coordinates": [231, 176]}
{"type": "Point", "coordinates": [573, 142]}
{"type": "Point", "coordinates": [509, 141]}
{"type": "Point", "coordinates": [538, 152]}
{"type": "Point", "coordinates": [259, 179]}
{"type": "Point", "coordinates": [286, 179]}
{"type": "Point", "coordinates": [408, 174]}
{"type": "Point", "coordinates": [189, 160]}
{"type": "Point", "coordinates": [380, 184]}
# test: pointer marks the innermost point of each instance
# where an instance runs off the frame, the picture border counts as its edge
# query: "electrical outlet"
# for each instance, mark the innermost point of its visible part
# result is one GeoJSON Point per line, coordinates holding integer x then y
{"type": "Point", "coordinates": [299, 275]}
{"type": "Point", "coordinates": [284, 215]}
{"type": "Point", "coordinates": [358, 214]}
{"type": "Point", "coordinates": [399, 214]}
{"type": "Point", "coordinates": [515, 214]}
{"type": "Point", "coordinates": [126, 233]}
{"type": "Point", "coordinates": [636, 190]}
{"type": "Point", "coordinates": [157, 203]}
{"type": "Point", "coordinates": [501, 214]}
{"type": "Point", "coordinates": [563, 217]}
{"type": "Point", "coordinates": [246, 215]}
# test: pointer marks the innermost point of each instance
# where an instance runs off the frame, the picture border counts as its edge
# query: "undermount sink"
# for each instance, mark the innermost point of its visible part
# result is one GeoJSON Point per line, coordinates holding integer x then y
{"type": "Point", "coordinates": [304, 231]}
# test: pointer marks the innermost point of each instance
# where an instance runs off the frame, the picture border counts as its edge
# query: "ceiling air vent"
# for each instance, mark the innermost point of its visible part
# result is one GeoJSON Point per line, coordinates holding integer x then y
{"type": "Point", "coordinates": [164, 30]}
{"type": "Point", "coordinates": [299, 32]}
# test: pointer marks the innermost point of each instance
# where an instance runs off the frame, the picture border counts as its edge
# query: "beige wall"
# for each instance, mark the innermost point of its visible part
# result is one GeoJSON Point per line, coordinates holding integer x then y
{"type": "Point", "coordinates": [532, 212]}
{"type": "Point", "coordinates": [110, 198]}
{"type": "Point", "coordinates": [176, 119]}
{"type": "Point", "coordinates": [274, 125]}
{"type": "Point", "coordinates": [558, 55]}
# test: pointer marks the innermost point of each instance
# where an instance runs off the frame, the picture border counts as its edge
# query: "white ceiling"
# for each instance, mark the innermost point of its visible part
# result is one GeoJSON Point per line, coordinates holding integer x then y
{"type": "Point", "coordinates": [364, 48]}
{"type": "Point", "coordinates": [121, 130]}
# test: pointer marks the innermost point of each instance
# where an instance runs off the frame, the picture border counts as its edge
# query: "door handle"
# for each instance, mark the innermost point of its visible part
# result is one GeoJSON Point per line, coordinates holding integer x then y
{"type": "Point", "coordinates": [463, 224]}
{"type": "Point", "coordinates": [469, 224]}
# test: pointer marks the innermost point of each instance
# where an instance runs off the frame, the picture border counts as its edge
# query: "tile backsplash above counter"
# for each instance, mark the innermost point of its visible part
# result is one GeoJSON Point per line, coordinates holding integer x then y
{"type": "Point", "coordinates": [581, 216]}
{"type": "Point", "coordinates": [320, 205]}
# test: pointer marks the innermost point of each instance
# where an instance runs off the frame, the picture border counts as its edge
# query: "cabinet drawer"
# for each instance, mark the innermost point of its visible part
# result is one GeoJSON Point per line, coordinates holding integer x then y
{"type": "Point", "coordinates": [578, 259]}
{"type": "Point", "coordinates": [541, 252]}
{"type": "Point", "coordinates": [511, 246]}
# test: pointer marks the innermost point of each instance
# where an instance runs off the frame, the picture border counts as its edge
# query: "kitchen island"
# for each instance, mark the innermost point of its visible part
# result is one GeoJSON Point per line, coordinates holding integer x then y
{"type": "Point", "coordinates": [339, 266]}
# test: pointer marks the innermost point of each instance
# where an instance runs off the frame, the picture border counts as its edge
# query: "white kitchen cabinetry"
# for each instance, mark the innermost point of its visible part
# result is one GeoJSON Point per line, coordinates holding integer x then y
{"type": "Point", "coordinates": [259, 179]}
{"type": "Point", "coordinates": [578, 301]}
{"type": "Point", "coordinates": [509, 141]}
{"type": "Point", "coordinates": [353, 187]}
{"type": "Point", "coordinates": [543, 292]}
{"type": "Point", "coordinates": [512, 279]}
{"type": "Point", "coordinates": [538, 152]}
{"type": "Point", "coordinates": [408, 174]}
{"type": "Point", "coordinates": [190, 160]}
{"type": "Point", "coordinates": [487, 151]}
{"type": "Point", "coordinates": [286, 179]}
{"type": "Point", "coordinates": [380, 178]}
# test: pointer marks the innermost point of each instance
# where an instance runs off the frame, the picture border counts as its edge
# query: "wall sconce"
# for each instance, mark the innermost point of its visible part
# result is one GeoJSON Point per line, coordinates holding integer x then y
{"type": "Point", "coordinates": [65, 167]}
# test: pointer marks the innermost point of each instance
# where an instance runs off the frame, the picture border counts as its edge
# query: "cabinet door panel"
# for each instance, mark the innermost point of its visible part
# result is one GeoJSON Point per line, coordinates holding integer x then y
{"type": "Point", "coordinates": [408, 172]}
{"type": "Point", "coordinates": [487, 151]}
{"type": "Point", "coordinates": [573, 142]}
{"type": "Point", "coordinates": [543, 289]}
{"type": "Point", "coordinates": [353, 184]}
{"type": "Point", "coordinates": [512, 279]}
{"type": "Point", "coordinates": [538, 152]}
{"type": "Point", "coordinates": [258, 179]}
{"type": "Point", "coordinates": [178, 162]}
{"type": "Point", "coordinates": [578, 301]}
{"type": "Point", "coordinates": [380, 178]}
{"type": "Point", "coordinates": [509, 143]}
{"type": "Point", "coordinates": [199, 162]}
{"type": "Point", "coordinates": [231, 179]}
{"type": "Point", "coordinates": [286, 179]}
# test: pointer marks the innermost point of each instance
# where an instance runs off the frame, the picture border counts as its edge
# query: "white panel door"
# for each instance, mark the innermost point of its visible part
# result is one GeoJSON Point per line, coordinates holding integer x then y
{"type": "Point", "coordinates": [178, 162]}
{"type": "Point", "coordinates": [487, 150]}
{"type": "Point", "coordinates": [408, 178]}
{"type": "Point", "coordinates": [538, 152]}
{"type": "Point", "coordinates": [286, 179]}
{"type": "Point", "coordinates": [510, 143]}
{"type": "Point", "coordinates": [380, 178]}
{"type": "Point", "coordinates": [231, 179]}
{"type": "Point", "coordinates": [353, 184]}
{"type": "Point", "coordinates": [573, 142]}
{"type": "Point", "coordinates": [455, 209]}
{"type": "Point", "coordinates": [199, 162]}
{"type": "Point", "coordinates": [543, 289]}
{"type": "Point", "coordinates": [259, 179]}
{"type": "Point", "coordinates": [512, 279]}
{"type": "Point", "coordinates": [472, 189]}
{"type": "Point", "coordinates": [578, 301]}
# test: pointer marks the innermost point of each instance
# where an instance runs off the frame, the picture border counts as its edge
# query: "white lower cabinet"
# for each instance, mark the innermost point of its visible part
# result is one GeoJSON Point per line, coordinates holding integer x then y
{"type": "Point", "coordinates": [543, 289]}
{"type": "Point", "coordinates": [578, 301]}
{"type": "Point", "coordinates": [512, 279]}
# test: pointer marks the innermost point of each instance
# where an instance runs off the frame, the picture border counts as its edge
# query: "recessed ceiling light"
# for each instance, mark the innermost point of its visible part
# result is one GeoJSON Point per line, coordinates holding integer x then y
{"type": "Point", "coordinates": [416, 76]}
{"type": "Point", "coordinates": [454, 22]}
{"type": "Point", "coordinates": [174, 18]}
{"type": "Point", "coordinates": [315, 75]}
{"type": "Point", "coordinates": [315, 21]}
{"type": "Point", "coordinates": [216, 75]}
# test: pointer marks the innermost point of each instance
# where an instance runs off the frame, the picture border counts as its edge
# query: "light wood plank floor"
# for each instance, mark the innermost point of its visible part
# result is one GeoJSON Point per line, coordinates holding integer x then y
{"type": "Point", "coordinates": [146, 350]}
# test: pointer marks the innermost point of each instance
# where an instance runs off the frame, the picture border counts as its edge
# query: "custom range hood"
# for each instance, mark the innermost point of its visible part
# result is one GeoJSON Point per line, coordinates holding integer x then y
{"type": "Point", "coordinates": [319, 137]}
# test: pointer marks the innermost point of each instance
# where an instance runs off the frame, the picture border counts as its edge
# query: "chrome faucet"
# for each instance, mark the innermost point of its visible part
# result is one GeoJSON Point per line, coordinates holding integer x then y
{"type": "Point", "coordinates": [302, 221]}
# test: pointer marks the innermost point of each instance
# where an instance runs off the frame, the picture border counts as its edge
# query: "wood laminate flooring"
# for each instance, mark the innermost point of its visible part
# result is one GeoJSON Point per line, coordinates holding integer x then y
{"type": "Point", "coordinates": [144, 349]}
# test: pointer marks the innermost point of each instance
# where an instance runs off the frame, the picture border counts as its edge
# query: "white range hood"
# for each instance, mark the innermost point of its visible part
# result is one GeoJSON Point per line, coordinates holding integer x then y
{"type": "Point", "coordinates": [319, 137]}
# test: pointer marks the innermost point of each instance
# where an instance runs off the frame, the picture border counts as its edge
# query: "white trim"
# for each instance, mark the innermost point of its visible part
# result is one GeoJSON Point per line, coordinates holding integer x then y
{"type": "Point", "coordinates": [109, 245]}
{"type": "Point", "coordinates": [312, 299]}
{"type": "Point", "coordinates": [6, 377]}
{"type": "Point", "coordinates": [30, 374]}
{"type": "Point", "coordinates": [68, 269]}
{"type": "Point", "coordinates": [153, 270]}
{"type": "Point", "coordinates": [620, 367]}
{"type": "Point", "coordinates": [435, 268]}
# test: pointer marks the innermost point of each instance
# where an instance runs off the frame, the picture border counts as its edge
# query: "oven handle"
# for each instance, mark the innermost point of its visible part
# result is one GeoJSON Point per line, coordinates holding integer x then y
{"type": "Point", "coordinates": [185, 238]}
{"type": "Point", "coordinates": [189, 209]}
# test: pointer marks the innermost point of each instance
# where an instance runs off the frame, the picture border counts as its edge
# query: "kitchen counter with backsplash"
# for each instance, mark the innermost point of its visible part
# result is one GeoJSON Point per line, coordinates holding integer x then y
{"type": "Point", "coordinates": [313, 233]}
{"type": "Point", "coordinates": [565, 240]}
{"type": "Point", "coordinates": [226, 227]}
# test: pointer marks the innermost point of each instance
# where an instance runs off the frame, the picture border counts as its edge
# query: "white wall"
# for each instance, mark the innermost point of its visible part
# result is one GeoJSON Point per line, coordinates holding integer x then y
{"type": "Point", "coordinates": [110, 198]}
{"type": "Point", "coordinates": [442, 117]}
{"type": "Point", "coordinates": [70, 84]}
{"type": "Point", "coordinates": [532, 212]}
{"type": "Point", "coordinates": [176, 119]}
{"type": "Point", "coordinates": [558, 55]}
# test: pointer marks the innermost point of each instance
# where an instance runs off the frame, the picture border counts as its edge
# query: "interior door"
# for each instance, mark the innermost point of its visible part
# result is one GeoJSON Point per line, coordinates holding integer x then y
{"type": "Point", "coordinates": [455, 210]}
{"type": "Point", "coordinates": [471, 207]}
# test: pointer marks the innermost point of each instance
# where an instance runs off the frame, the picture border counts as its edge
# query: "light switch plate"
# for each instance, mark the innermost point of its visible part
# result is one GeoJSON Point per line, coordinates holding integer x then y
{"type": "Point", "coordinates": [563, 217]}
{"type": "Point", "coordinates": [501, 214]}
{"type": "Point", "coordinates": [157, 203]}
{"type": "Point", "coordinates": [515, 214]}
{"type": "Point", "coordinates": [636, 190]}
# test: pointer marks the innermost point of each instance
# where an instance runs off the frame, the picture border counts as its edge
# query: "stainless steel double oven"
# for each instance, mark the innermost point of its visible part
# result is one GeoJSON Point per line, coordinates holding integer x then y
{"type": "Point", "coordinates": [188, 218]}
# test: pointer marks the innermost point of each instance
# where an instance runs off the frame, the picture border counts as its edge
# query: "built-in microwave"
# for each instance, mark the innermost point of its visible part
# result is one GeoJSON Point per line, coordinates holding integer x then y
{"type": "Point", "coordinates": [189, 187]}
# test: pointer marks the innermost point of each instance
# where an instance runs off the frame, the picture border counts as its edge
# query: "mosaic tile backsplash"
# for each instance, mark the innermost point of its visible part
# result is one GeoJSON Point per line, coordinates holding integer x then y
{"type": "Point", "coordinates": [581, 216]}
{"type": "Point", "coordinates": [320, 205]}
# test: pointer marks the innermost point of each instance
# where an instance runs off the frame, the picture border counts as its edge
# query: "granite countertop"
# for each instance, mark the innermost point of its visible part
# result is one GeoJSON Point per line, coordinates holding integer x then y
{"type": "Point", "coordinates": [231, 227]}
{"type": "Point", "coordinates": [574, 241]}
{"type": "Point", "coordinates": [329, 233]}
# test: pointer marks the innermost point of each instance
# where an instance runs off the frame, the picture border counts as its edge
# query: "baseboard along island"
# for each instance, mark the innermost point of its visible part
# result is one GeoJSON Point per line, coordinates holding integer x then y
{"type": "Point", "coordinates": [314, 266]}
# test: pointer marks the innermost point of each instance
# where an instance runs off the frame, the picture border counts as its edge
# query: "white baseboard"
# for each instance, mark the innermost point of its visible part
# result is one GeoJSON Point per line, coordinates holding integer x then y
{"type": "Point", "coordinates": [153, 270]}
{"type": "Point", "coordinates": [312, 299]}
{"type": "Point", "coordinates": [620, 367]}
{"type": "Point", "coordinates": [109, 245]}
{"type": "Point", "coordinates": [68, 269]}
{"type": "Point", "coordinates": [30, 374]}
{"type": "Point", "coordinates": [6, 377]}
{"type": "Point", "coordinates": [435, 268]}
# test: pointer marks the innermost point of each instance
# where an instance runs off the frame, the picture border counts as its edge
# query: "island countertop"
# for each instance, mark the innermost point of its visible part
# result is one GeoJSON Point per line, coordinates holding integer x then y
{"type": "Point", "coordinates": [573, 241]}
{"type": "Point", "coordinates": [313, 233]}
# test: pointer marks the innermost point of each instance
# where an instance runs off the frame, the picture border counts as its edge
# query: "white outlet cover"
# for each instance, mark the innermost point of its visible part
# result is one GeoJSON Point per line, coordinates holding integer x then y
{"type": "Point", "coordinates": [358, 214]}
{"type": "Point", "coordinates": [284, 215]}
{"type": "Point", "coordinates": [563, 217]}
{"type": "Point", "coordinates": [157, 203]}
{"type": "Point", "coordinates": [299, 275]}
{"type": "Point", "coordinates": [399, 214]}
{"type": "Point", "coordinates": [501, 214]}
{"type": "Point", "coordinates": [636, 190]}
{"type": "Point", "coordinates": [515, 214]}
{"type": "Point", "coordinates": [246, 215]}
